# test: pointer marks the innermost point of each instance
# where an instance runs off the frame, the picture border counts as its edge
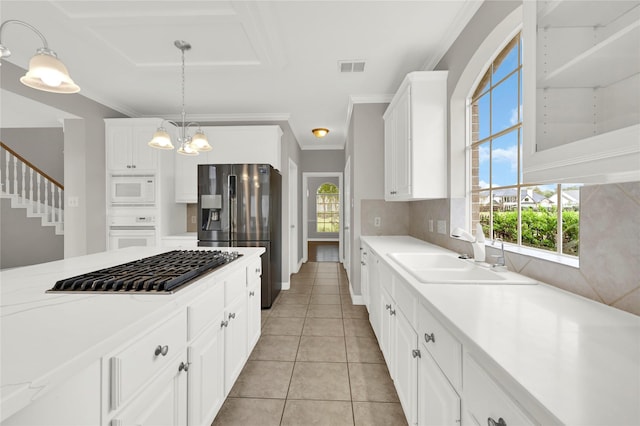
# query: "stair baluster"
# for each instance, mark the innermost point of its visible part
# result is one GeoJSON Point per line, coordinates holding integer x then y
{"type": "Point", "coordinates": [31, 187]}
{"type": "Point", "coordinates": [23, 170]}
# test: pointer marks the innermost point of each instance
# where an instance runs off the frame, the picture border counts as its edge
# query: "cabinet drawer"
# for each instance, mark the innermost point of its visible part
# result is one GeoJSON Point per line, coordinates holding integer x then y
{"type": "Point", "coordinates": [484, 399]}
{"type": "Point", "coordinates": [445, 349]}
{"type": "Point", "coordinates": [254, 271]}
{"type": "Point", "coordinates": [386, 278]}
{"type": "Point", "coordinates": [235, 284]}
{"type": "Point", "coordinates": [205, 309]}
{"type": "Point", "coordinates": [406, 301]}
{"type": "Point", "coordinates": [134, 366]}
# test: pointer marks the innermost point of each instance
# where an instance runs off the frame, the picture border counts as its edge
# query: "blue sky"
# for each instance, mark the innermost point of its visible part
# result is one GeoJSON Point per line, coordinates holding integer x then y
{"type": "Point", "coordinates": [505, 109]}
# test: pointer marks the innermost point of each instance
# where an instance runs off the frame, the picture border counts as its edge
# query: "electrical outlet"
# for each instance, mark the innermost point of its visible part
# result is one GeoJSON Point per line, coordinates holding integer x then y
{"type": "Point", "coordinates": [376, 222]}
{"type": "Point", "coordinates": [430, 225]}
{"type": "Point", "coordinates": [442, 227]}
{"type": "Point", "coordinates": [193, 219]}
{"type": "Point", "coordinates": [73, 201]}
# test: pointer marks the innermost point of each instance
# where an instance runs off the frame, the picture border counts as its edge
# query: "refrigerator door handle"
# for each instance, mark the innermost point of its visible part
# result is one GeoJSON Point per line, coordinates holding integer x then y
{"type": "Point", "coordinates": [233, 206]}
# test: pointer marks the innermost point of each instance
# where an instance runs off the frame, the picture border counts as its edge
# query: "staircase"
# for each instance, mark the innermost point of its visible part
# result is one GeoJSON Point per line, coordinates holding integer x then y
{"type": "Point", "coordinates": [31, 189]}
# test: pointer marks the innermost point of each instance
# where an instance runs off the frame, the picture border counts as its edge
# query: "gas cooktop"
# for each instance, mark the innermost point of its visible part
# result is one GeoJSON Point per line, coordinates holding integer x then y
{"type": "Point", "coordinates": [163, 273]}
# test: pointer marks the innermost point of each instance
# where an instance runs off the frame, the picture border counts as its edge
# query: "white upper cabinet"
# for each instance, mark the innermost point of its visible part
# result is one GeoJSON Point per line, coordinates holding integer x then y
{"type": "Point", "coordinates": [126, 144]}
{"type": "Point", "coordinates": [230, 145]}
{"type": "Point", "coordinates": [581, 84]}
{"type": "Point", "coordinates": [415, 138]}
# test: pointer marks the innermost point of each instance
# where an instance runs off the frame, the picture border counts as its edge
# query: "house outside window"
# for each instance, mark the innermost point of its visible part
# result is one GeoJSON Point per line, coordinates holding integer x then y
{"type": "Point", "coordinates": [327, 208]}
{"type": "Point", "coordinates": [518, 212]}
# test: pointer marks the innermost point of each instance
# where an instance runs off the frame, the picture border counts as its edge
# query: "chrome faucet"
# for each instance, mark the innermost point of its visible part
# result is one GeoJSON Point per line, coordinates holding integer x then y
{"type": "Point", "coordinates": [500, 259]}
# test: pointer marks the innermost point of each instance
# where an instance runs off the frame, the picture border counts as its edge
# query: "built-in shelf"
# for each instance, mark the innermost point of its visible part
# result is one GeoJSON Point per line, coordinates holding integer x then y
{"type": "Point", "coordinates": [581, 81]}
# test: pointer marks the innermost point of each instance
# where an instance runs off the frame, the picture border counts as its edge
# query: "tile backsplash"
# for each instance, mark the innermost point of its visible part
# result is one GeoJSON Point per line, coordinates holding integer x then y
{"type": "Point", "coordinates": [192, 217]}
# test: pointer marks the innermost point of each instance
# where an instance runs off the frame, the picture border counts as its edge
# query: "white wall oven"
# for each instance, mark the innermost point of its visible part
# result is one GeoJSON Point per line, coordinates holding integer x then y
{"type": "Point", "coordinates": [132, 231]}
{"type": "Point", "coordinates": [133, 190]}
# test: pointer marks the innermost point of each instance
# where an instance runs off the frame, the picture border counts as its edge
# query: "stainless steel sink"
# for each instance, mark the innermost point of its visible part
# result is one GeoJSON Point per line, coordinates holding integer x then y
{"type": "Point", "coordinates": [441, 268]}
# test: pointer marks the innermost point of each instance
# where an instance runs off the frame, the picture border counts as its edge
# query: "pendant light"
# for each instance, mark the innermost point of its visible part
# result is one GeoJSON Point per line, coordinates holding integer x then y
{"type": "Point", "coordinates": [46, 72]}
{"type": "Point", "coordinates": [187, 144]}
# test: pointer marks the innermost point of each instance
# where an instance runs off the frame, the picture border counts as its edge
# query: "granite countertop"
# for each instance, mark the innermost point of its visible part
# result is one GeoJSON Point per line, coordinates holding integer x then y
{"type": "Point", "coordinates": [578, 358]}
{"type": "Point", "coordinates": [46, 337]}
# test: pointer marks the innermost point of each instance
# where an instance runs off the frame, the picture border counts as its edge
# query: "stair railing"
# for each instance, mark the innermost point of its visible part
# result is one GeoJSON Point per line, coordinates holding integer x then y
{"type": "Point", "coordinates": [19, 177]}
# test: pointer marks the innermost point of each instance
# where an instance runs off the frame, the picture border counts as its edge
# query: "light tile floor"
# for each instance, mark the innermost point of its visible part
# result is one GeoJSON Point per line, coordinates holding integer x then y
{"type": "Point", "coordinates": [317, 362]}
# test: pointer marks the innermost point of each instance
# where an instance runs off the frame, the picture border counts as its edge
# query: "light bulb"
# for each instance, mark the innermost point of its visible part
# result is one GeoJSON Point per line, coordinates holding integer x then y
{"type": "Point", "coordinates": [51, 78]}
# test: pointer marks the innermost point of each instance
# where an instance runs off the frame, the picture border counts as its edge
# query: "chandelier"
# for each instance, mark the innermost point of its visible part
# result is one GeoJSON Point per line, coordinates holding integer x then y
{"type": "Point", "coordinates": [188, 145]}
{"type": "Point", "coordinates": [46, 72]}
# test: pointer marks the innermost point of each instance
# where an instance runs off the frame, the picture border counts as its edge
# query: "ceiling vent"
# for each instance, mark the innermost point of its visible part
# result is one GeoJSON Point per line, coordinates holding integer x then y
{"type": "Point", "coordinates": [351, 66]}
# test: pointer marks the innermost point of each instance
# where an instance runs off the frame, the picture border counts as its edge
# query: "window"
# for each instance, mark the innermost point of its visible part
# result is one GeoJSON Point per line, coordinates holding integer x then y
{"type": "Point", "coordinates": [328, 208]}
{"type": "Point", "coordinates": [518, 212]}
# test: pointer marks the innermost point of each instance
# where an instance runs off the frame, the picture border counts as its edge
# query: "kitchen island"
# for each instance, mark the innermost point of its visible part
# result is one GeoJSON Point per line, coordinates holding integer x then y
{"type": "Point", "coordinates": [101, 358]}
{"type": "Point", "coordinates": [525, 354]}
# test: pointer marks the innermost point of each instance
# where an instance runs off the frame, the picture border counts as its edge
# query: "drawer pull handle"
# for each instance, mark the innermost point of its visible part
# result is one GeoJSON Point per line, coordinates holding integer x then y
{"type": "Point", "coordinates": [224, 324]}
{"type": "Point", "coordinates": [500, 422]}
{"type": "Point", "coordinates": [232, 315]}
{"type": "Point", "coordinates": [429, 338]}
{"type": "Point", "coordinates": [183, 366]}
{"type": "Point", "coordinates": [387, 307]}
{"type": "Point", "coordinates": [162, 350]}
{"type": "Point", "coordinates": [252, 293]}
{"type": "Point", "coordinates": [415, 353]}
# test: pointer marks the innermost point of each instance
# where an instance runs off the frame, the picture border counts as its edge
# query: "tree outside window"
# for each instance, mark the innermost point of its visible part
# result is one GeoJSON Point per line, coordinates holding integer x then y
{"type": "Point", "coordinates": [518, 212]}
{"type": "Point", "coordinates": [328, 208]}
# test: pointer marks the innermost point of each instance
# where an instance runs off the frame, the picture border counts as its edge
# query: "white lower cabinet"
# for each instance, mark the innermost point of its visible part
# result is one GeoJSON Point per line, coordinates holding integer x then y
{"type": "Point", "coordinates": [387, 330]}
{"type": "Point", "coordinates": [164, 402]}
{"type": "Point", "coordinates": [206, 375]}
{"type": "Point", "coordinates": [235, 341]}
{"type": "Point", "coordinates": [406, 354]}
{"type": "Point", "coordinates": [438, 402]}
{"type": "Point", "coordinates": [485, 403]}
{"type": "Point", "coordinates": [254, 316]}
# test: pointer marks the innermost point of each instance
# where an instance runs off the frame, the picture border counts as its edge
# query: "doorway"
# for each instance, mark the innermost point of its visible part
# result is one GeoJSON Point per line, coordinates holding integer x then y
{"type": "Point", "coordinates": [322, 214]}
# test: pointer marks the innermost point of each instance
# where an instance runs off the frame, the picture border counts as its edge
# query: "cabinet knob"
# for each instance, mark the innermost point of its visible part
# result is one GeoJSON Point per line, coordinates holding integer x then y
{"type": "Point", "coordinates": [128, 166]}
{"type": "Point", "coordinates": [257, 270]}
{"type": "Point", "coordinates": [224, 324]}
{"type": "Point", "coordinates": [252, 293]}
{"type": "Point", "coordinates": [429, 338]}
{"type": "Point", "coordinates": [133, 166]}
{"type": "Point", "coordinates": [232, 315]}
{"type": "Point", "coordinates": [415, 353]}
{"type": "Point", "coordinates": [387, 307]}
{"type": "Point", "coordinates": [392, 312]}
{"type": "Point", "coordinates": [500, 422]}
{"type": "Point", "coordinates": [161, 350]}
{"type": "Point", "coordinates": [184, 366]}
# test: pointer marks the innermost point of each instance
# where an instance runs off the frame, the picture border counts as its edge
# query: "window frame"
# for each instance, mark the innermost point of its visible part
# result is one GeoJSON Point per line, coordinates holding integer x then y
{"type": "Point", "coordinates": [481, 87]}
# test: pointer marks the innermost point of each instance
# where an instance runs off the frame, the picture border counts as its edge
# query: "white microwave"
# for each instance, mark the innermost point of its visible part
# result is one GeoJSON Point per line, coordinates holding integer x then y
{"type": "Point", "coordinates": [133, 189]}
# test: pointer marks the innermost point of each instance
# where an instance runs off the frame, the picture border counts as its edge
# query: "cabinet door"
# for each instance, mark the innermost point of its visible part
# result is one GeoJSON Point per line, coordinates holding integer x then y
{"type": "Point", "coordinates": [387, 330]}
{"type": "Point", "coordinates": [143, 157]}
{"type": "Point", "coordinates": [405, 354]}
{"type": "Point", "coordinates": [389, 154]}
{"type": "Point", "coordinates": [235, 340]}
{"type": "Point", "coordinates": [119, 139]}
{"type": "Point", "coordinates": [438, 402]}
{"type": "Point", "coordinates": [206, 375]}
{"type": "Point", "coordinates": [402, 147]}
{"type": "Point", "coordinates": [254, 316]}
{"type": "Point", "coordinates": [186, 178]}
{"type": "Point", "coordinates": [364, 275]}
{"type": "Point", "coordinates": [375, 302]}
{"type": "Point", "coordinates": [163, 403]}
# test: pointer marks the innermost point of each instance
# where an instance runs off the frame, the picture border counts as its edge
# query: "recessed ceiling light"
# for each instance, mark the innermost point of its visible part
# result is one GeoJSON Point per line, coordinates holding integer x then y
{"type": "Point", "coordinates": [320, 132]}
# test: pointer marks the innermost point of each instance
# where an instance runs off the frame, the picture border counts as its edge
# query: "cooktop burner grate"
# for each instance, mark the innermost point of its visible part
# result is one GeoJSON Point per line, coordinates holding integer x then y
{"type": "Point", "coordinates": [162, 274]}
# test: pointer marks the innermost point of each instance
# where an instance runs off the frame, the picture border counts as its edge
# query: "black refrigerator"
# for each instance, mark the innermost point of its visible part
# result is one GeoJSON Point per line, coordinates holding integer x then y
{"type": "Point", "coordinates": [239, 205]}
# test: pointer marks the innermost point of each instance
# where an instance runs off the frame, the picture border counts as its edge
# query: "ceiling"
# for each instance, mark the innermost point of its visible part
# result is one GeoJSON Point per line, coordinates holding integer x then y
{"type": "Point", "coordinates": [250, 60]}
